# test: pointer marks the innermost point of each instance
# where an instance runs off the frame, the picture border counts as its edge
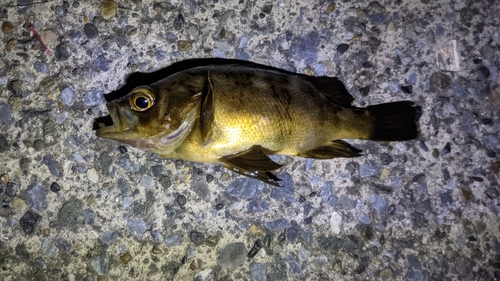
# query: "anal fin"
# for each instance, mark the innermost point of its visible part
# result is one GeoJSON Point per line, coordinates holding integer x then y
{"type": "Point", "coordinates": [331, 150]}
{"type": "Point", "coordinates": [253, 163]}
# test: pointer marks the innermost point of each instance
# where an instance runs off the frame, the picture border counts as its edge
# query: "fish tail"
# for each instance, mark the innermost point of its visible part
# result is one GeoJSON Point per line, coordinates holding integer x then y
{"type": "Point", "coordinates": [394, 121]}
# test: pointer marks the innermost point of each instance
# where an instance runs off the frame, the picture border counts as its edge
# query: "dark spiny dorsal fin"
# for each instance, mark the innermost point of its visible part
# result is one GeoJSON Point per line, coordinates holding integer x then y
{"type": "Point", "coordinates": [333, 89]}
{"type": "Point", "coordinates": [331, 150]}
{"type": "Point", "coordinates": [207, 112]}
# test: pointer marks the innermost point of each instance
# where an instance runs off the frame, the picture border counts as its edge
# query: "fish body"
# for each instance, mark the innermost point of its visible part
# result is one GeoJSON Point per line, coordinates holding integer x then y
{"type": "Point", "coordinates": [237, 115]}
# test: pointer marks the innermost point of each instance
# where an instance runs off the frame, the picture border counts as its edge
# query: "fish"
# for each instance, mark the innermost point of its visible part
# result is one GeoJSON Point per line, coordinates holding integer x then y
{"type": "Point", "coordinates": [238, 115]}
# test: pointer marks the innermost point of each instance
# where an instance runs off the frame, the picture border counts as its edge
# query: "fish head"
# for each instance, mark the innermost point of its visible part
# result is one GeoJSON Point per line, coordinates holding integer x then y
{"type": "Point", "coordinates": [150, 118]}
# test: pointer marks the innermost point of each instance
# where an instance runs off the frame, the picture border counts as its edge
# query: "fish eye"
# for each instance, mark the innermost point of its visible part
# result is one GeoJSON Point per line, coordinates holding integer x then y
{"type": "Point", "coordinates": [141, 101]}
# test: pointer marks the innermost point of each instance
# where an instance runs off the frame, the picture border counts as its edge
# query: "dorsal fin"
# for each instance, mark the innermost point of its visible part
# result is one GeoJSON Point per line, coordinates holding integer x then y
{"type": "Point", "coordinates": [207, 112]}
{"type": "Point", "coordinates": [333, 89]}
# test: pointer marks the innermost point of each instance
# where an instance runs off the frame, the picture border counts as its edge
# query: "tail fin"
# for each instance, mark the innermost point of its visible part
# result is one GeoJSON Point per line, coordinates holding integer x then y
{"type": "Point", "coordinates": [394, 121]}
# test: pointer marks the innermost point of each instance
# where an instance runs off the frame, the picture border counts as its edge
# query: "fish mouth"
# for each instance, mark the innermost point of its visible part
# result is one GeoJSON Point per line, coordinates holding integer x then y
{"type": "Point", "coordinates": [118, 125]}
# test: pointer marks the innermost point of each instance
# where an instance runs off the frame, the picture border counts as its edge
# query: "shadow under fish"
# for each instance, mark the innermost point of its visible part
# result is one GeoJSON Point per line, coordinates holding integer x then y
{"type": "Point", "coordinates": [237, 113]}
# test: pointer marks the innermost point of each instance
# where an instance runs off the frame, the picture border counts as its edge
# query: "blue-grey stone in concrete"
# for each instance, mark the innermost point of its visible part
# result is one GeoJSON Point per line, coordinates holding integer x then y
{"type": "Point", "coordinates": [100, 264]}
{"type": "Point", "coordinates": [258, 271]}
{"type": "Point", "coordinates": [63, 245]}
{"type": "Point", "coordinates": [42, 67]}
{"type": "Point", "coordinates": [137, 227]}
{"type": "Point", "coordinates": [232, 255]}
{"type": "Point", "coordinates": [277, 225]}
{"type": "Point", "coordinates": [306, 47]}
{"type": "Point", "coordinates": [246, 188]}
{"type": "Point", "coordinates": [88, 216]}
{"type": "Point", "coordinates": [326, 191]}
{"type": "Point", "coordinates": [369, 169]}
{"type": "Point", "coordinates": [446, 199]}
{"type": "Point", "coordinates": [173, 240]}
{"type": "Point", "coordinates": [243, 41]}
{"type": "Point", "coordinates": [378, 18]}
{"type": "Point", "coordinates": [292, 233]}
{"type": "Point", "coordinates": [306, 235]}
{"type": "Point", "coordinates": [490, 141]}
{"type": "Point", "coordinates": [6, 114]}
{"type": "Point", "coordinates": [93, 98]}
{"type": "Point", "coordinates": [36, 196]}
{"type": "Point", "coordinates": [378, 202]}
{"type": "Point", "coordinates": [109, 236]}
{"type": "Point", "coordinates": [192, 4]}
{"type": "Point", "coordinates": [49, 161]}
{"type": "Point", "coordinates": [48, 248]}
{"type": "Point", "coordinates": [160, 55]}
{"type": "Point", "coordinates": [364, 218]}
{"type": "Point", "coordinates": [295, 267]}
{"type": "Point", "coordinates": [156, 235]}
{"type": "Point", "coordinates": [101, 63]}
{"type": "Point", "coordinates": [147, 181]}
{"type": "Point", "coordinates": [242, 55]}
{"type": "Point", "coordinates": [68, 96]}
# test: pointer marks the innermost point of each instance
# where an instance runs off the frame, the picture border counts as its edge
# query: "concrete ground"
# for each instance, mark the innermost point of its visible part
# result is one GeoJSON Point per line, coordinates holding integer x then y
{"type": "Point", "coordinates": [77, 207]}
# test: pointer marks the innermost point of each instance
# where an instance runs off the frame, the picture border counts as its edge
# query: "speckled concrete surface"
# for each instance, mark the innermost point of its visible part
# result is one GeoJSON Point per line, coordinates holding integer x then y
{"type": "Point", "coordinates": [74, 207]}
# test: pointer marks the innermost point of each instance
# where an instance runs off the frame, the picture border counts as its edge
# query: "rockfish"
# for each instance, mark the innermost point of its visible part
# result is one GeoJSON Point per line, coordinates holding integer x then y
{"type": "Point", "coordinates": [237, 115]}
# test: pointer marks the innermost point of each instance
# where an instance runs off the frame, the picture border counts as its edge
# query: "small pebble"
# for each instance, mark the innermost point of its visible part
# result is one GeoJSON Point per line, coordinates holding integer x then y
{"type": "Point", "coordinates": [281, 237]}
{"type": "Point", "coordinates": [59, 10]}
{"type": "Point", "coordinates": [184, 45]}
{"type": "Point", "coordinates": [62, 52]}
{"type": "Point", "coordinates": [181, 200]}
{"type": "Point", "coordinates": [8, 27]}
{"type": "Point", "coordinates": [197, 237]}
{"type": "Point", "coordinates": [108, 9]}
{"type": "Point", "coordinates": [11, 44]}
{"type": "Point", "coordinates": [342, 48]}
{"type": "Point", "coordinates": [125, 258]}
{"type": "Point", "coordinates": [55, 187]}
{"type": "Point", "coordinates": [39, 263]}
{"type": "Point", "coordinates": [90, 31]}
{"type": "Point", "coordinates": [18, 204]}
{"type": "Point", "coordinates": [68, 96]}
{"type": "Point", "coordinates": [122, 149]}
{"type": "Point", "coordinates": [212, 241]}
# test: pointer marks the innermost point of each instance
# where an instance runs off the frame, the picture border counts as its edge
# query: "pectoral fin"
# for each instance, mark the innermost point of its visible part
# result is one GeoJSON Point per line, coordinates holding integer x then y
{"type": "Point", "coordinates": [331, 150]}
{"type": "Point", "coordinates": [253, 163]}
{"type": "Point", "coordinates": [207, 112]}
